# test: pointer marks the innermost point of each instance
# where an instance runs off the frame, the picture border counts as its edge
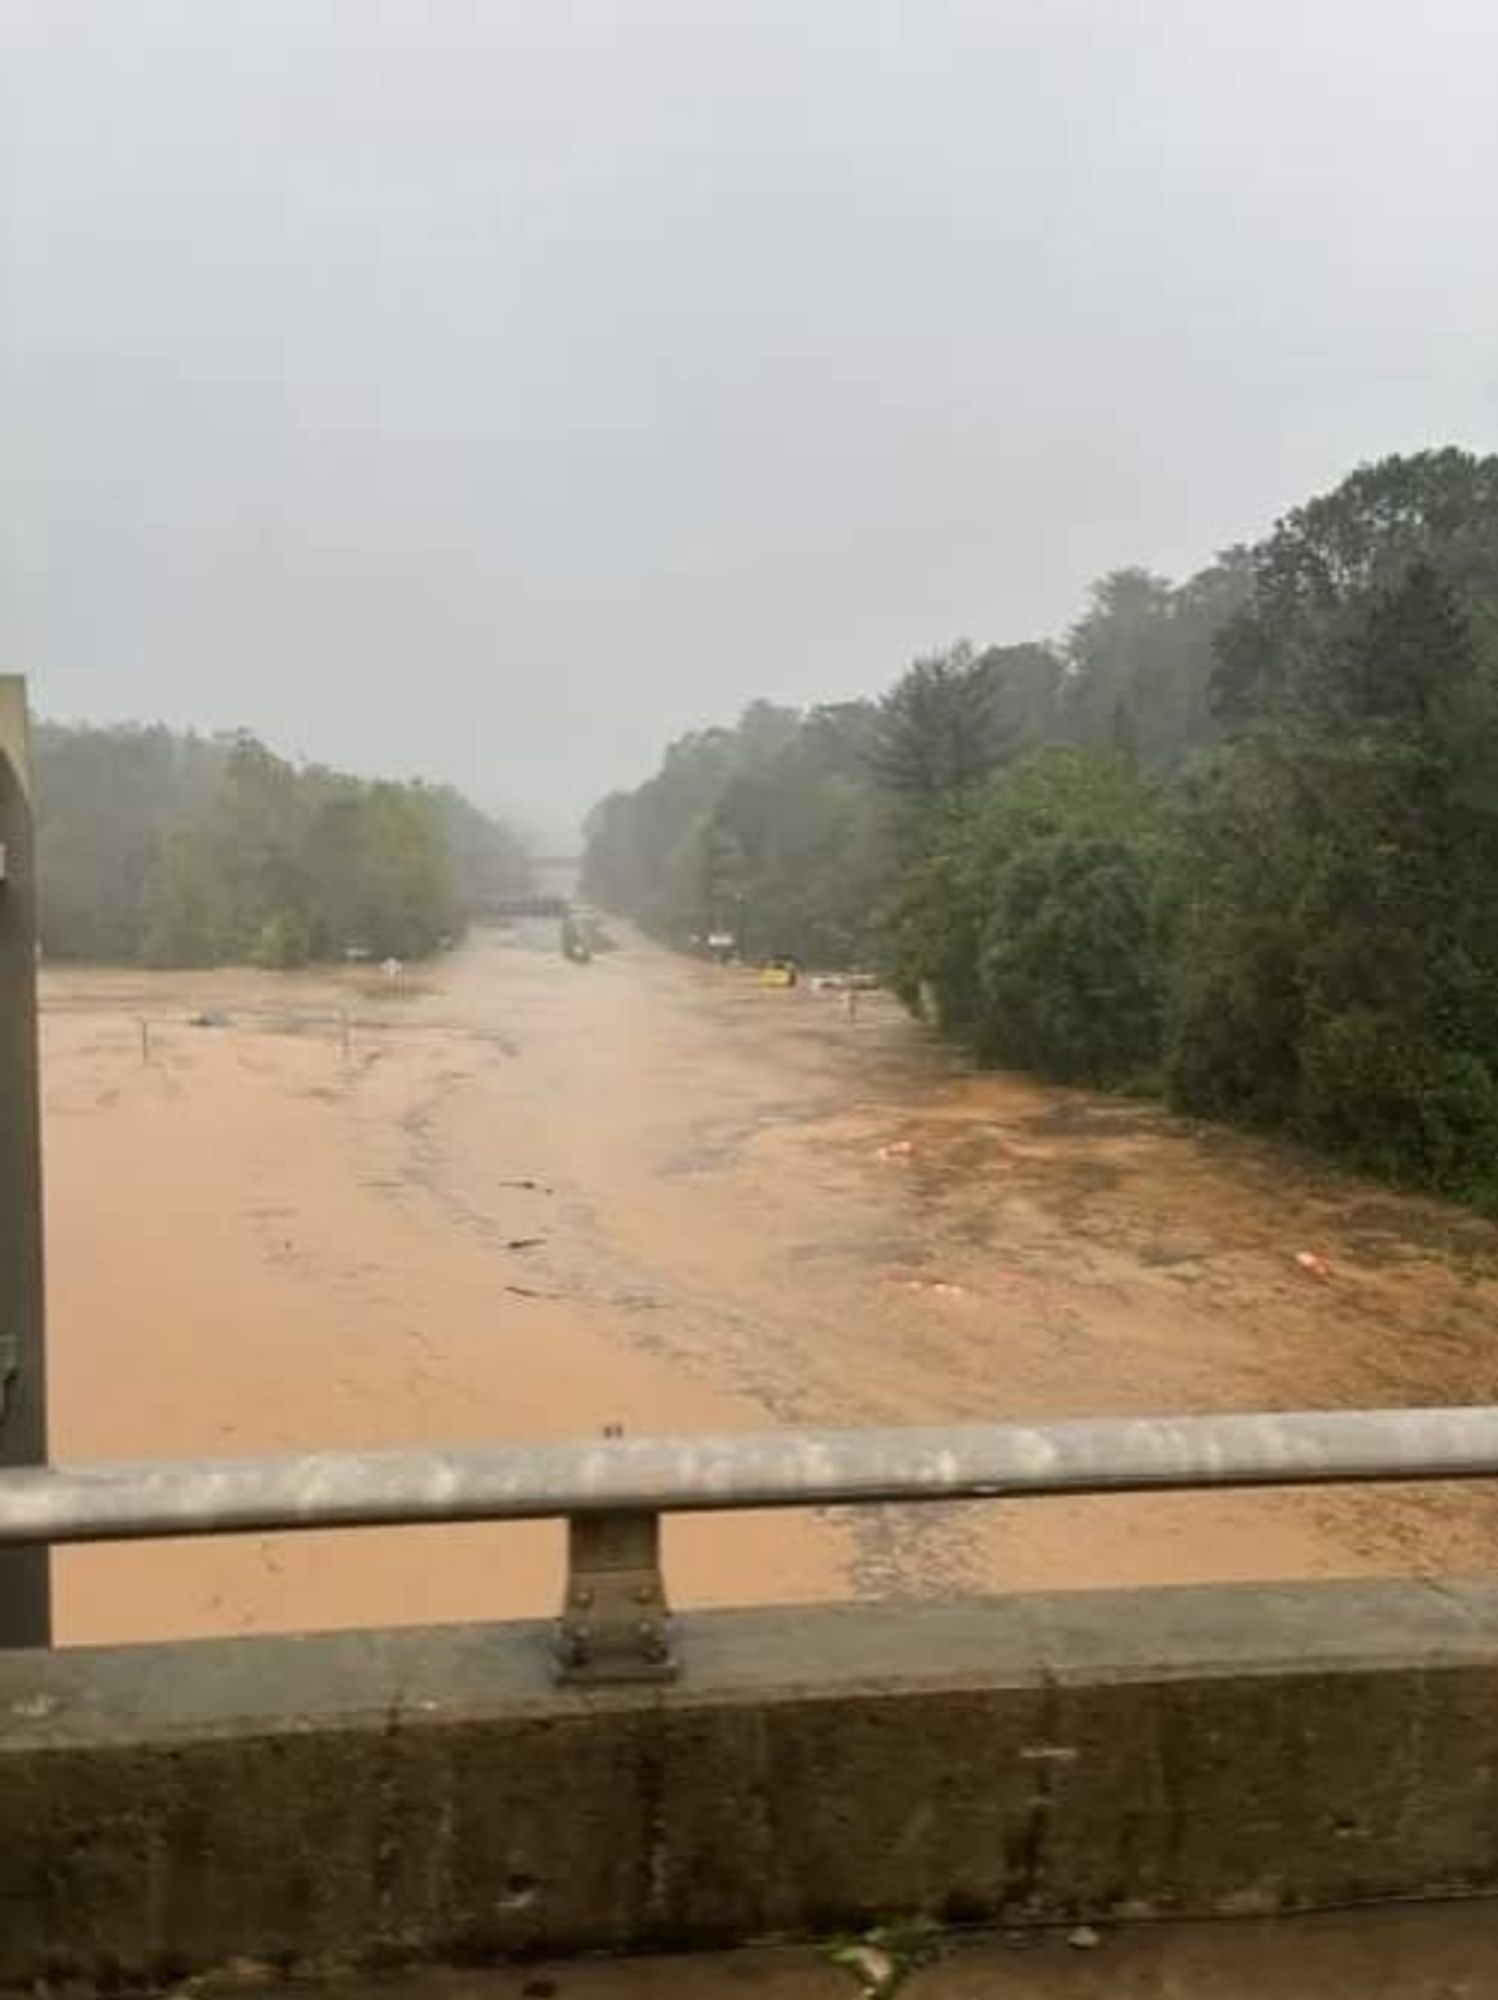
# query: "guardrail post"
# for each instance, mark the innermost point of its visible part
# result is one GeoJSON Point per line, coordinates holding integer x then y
{"type": "Point", "coordinates": [25, 1581]}
{"type": "Point", "coordinates": [615, 1623]}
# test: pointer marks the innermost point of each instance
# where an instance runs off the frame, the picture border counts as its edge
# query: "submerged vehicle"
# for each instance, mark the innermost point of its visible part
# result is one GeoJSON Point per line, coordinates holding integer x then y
{"type": "Point", "coordinates": [575, 944]}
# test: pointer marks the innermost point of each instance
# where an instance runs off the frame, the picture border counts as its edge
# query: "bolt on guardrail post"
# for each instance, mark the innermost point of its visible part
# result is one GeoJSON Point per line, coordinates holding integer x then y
{"type": "Point", "coordinates": [25, 1586]}
{"type": "Point", "coordinates": [615, 1623]}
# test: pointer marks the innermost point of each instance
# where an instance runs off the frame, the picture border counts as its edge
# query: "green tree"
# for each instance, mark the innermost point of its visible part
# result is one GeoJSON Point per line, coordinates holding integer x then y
{"type": "Point", "coordinates": [937, 737]}
{"type": "Point", "coordinates": [1069, 973]}
{"type": "Point", "coordinates": [1140, 661]}
{"type": "Point", "coordinates": [1315, 576]}
{"type": "Point", "coordinates": [1339, 945]}
{"type": "Point", "coordinates": [1031, 921]}
{"type": "Point", "coordinates": [185, 917]}
{"type": "Point", "coordinates": [106, 801]}
{"type": "Point", "coordinates": [183, 852]}
{"type": "Point", "coordinates": [1112, 652]}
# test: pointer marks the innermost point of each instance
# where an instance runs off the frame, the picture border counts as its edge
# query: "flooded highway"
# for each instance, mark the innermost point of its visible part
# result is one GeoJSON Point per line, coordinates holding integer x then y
{"type": "Point", "coordinates": [511, 1197]}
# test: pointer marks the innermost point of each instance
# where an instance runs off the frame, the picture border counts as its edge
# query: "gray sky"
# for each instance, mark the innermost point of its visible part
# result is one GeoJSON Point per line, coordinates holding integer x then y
{"type": "Point", "coordinates": [493, 390]}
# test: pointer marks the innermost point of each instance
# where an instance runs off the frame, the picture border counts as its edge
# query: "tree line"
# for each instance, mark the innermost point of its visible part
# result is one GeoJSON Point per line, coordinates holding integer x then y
{"type": "Point", "coordinates": [183, 850]}
{"type": "Point", "coordinates": [1234, 840]}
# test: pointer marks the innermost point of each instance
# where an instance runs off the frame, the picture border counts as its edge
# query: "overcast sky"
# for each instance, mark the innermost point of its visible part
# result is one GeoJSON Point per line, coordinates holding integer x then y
{"type": "Point", "coordinates": [494, 390]}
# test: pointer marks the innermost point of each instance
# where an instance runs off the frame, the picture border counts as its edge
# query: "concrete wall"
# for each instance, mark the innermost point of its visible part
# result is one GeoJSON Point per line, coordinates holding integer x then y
{"type": "Point", "coordinates": [379, 1795]}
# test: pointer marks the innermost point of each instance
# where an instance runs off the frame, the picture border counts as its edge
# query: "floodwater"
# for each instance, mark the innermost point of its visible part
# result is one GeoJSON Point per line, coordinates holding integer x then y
{"type": "Point", "coordinates": [519, 1198]}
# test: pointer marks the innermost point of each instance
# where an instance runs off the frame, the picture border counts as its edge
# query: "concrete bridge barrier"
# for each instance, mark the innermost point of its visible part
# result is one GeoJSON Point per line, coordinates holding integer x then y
{"type": "Point", "coordinates": [432, 1794]}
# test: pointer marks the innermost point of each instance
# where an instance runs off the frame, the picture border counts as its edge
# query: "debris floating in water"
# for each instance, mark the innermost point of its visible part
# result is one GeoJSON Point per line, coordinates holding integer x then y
{"type": "Point", "coordinates": [1313, 1264]}
{"type": "Point", "coordinates": [942, 1288]}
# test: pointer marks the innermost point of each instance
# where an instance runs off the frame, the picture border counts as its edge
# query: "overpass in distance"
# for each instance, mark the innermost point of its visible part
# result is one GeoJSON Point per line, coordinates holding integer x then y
{"type": "Point", "coordinates": [622, 1779]}
{"type": "Point", "coordinates": [552, 892]}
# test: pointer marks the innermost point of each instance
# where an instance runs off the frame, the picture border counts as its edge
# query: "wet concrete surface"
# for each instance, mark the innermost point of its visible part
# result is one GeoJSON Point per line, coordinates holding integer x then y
{"type": "Point", "coordinates": [1433, 1952]}
{"type": "Point", "coordinates": [522, 1198]}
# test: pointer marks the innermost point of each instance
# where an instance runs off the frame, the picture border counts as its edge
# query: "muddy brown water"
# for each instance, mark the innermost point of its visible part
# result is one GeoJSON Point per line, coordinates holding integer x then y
{"type": "Point", "coordinates": [531, 1199]}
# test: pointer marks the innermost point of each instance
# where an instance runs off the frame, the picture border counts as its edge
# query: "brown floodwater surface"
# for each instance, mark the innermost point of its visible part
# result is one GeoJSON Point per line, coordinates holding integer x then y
{"type": "Point", "coordinates": [529, 1199]}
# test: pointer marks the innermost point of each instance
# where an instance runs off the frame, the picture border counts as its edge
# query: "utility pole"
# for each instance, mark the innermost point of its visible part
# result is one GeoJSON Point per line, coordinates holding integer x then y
{"type": "Point", "coordinates": [25, 1576]}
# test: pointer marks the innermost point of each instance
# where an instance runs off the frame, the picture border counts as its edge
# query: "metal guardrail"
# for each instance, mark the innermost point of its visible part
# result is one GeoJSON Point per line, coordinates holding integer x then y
{"type": "Point", "coordinates": [612, 1492]}
{"type": "Point", "coordinates": [25, 1600]}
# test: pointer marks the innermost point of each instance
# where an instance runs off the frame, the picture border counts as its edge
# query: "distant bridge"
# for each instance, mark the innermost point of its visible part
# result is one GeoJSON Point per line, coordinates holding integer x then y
{"type": "Point", "coordinates": [554, 880]}
{"type": "Point", "coordinates": [510, 909]}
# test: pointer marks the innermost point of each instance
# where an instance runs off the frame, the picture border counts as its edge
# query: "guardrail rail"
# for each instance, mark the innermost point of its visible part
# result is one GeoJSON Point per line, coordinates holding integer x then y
{"type": "Point", "coordinates": [615, 1621]}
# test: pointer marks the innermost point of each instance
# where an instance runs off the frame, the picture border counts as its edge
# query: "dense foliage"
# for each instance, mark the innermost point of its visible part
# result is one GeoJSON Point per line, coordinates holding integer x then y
{"type": "Point", "coordinates": [1236, 837]}
{"type": "Point", "coordinates": [771, 831]}
{"type": "Point", "coordinates": [1336, 956]}
{"type": "Point", "coordinates": [181, 850]}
